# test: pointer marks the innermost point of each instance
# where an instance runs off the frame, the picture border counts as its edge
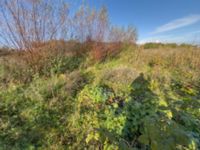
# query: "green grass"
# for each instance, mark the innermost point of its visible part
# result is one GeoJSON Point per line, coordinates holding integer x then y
{"type": "Point", "coordinates": [141, 99]}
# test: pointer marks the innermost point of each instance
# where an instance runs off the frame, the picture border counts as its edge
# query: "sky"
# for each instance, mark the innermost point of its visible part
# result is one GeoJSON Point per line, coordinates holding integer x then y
{"type": "Point", "coordinates": [156, 20]}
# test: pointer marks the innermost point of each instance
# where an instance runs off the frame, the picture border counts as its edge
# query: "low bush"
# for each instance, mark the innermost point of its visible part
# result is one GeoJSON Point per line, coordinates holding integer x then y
{"type": "Point", "coordinates": [23, 68]}
{"type": "Point", "coordinates": [5, 51]}
{"type": "Point", "coordinates": [152, 45]}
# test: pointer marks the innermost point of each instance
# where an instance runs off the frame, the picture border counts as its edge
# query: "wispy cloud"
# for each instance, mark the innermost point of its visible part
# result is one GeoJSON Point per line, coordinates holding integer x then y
{"type": "Point", "coordinates": [178, 23]}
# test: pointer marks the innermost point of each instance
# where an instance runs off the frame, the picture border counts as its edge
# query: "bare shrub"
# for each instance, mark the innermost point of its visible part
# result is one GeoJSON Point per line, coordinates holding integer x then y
{"type": "Point", "coordinates": [92, 28]}
{"type": "Point", "coordinates": [117, 37]}
{"type": "Point", "coordinates": [25, 23]}
{"type": "Point", "coordinates": [123, 35]}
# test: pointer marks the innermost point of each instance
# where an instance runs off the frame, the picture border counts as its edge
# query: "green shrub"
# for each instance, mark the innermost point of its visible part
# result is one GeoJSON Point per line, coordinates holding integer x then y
{"type": "Point", "coordinates": [166, 134]}
{"type": "Point", "coordinates": [62, 64]}
{"type": "Point", "coordinates": [39, 115]}
{"type": "Point", "coordinates": [19, 69]}
{"type": "Point", "coordinates": [152, 45]}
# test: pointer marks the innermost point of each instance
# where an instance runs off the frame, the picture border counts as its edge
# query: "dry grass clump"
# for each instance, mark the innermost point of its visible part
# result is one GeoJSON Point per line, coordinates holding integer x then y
{"type": "Point", "coordinates": [119, 78]}
{"type": "Point", "coordinates": [181, 61]}
{"type": "Point", "coordinates": [122, 75]}
{"type": "Point", "coordinates": [170, 57]}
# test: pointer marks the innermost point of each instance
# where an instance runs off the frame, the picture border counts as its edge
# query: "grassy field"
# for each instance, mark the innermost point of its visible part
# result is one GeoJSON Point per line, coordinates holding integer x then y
{"type": "Point", "coordinates": [145, 97]}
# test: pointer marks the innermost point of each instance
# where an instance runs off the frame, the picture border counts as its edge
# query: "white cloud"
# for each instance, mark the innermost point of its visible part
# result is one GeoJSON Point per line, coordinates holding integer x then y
{"type": "Point", "coordinates": [178, 23]}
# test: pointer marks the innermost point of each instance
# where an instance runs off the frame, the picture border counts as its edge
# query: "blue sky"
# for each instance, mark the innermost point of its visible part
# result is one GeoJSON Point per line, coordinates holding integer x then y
{"type": "Point", "coordinates": [156, 20]}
